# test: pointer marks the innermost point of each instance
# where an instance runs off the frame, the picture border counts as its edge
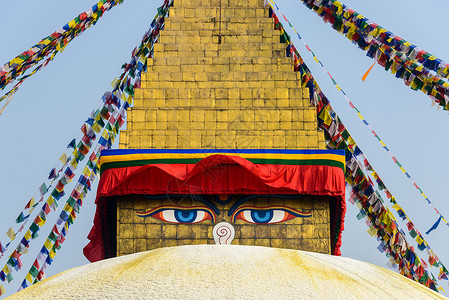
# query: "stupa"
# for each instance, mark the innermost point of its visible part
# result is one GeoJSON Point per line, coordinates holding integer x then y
{"type": "Point", "coordinates": [222, 148]}
{"type": "Point", "coordinates": [221, 131]}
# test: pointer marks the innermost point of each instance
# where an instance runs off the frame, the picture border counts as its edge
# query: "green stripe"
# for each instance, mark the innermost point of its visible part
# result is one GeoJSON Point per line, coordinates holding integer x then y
{"type": "Point", "coordinates": [299, 162]}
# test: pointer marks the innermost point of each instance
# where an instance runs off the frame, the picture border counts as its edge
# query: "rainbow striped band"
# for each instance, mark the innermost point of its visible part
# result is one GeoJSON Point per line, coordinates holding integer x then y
{"type": "Point", "coordinates": [120, 158]}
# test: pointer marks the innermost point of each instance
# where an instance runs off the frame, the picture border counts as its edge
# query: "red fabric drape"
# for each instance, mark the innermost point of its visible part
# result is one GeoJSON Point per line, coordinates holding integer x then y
{"type": "Point", "coordinates": [217, 174]}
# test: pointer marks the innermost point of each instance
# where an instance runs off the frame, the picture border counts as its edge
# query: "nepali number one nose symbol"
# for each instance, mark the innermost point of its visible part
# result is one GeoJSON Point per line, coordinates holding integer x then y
{"type": "Point", "coordinates": [223, 233]}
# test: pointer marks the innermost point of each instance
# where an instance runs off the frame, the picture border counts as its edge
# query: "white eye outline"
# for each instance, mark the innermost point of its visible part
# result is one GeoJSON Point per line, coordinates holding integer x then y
{"type": "Point", "coordinates": [279, 214]}
{"type": "Point", "coordinates": [167, 214]}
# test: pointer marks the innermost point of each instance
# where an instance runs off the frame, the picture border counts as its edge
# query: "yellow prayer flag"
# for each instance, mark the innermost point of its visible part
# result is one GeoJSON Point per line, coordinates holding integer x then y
{"type": "Point", "coordinates": [372, 231]}
{"type": "Point", "coordinates": [123, 97]}
{"type": "Point", "coordinates": [339, 7]}
{"type": "Point", "coordinates": [105, 134]}
{"type": "Point", "coordinates": [27, 235]}
{"type": "Point", "coordinates": [50, 200]}
{"type": "Point", "coordinates": [114, 82]}
{"type": "Point", "coordinates": [130, 99]}
{"type": "Point", "coordinates": [74, 163]}
{"type": "Point", "coordinates": [29, 278]}
{"type": "Point", "coordinates": [2, 289]}
{"type": "Point", "coordinates": [72, 23]}
{"type": "Point", "coordinates": [350, 34]}
{"type": "Point", "coordinates": [48, 244]}
{"type": "Point", "coordinates": [45, 42]}
{"type": "Point", "coordinates": [96, 127]}
{"type": "Point", "coordinates": [316, 59]}
{"type": "Point", "coordinates": [67, 208]}
{"type": "Point", "coordinates": [11, 234]}
{"type": "Point", "coordinates": [86, 171]}
{"type": "Point", "coordinates": [63, 159]}
{"type": "Point", "coordinates": [52, 254]}
{"type": "Point", "coordinates": [350, 141]}
{"type": "Point", "coordinates": [17, 60]}
{"type": "Point", "coordinates": [5, 269]}
{"type": "Point", "coordinates": [326, 117]}
{"type": "Point", "coordinates": [385, 218]}
{"type": "Point", "coordinates": [419, 240]}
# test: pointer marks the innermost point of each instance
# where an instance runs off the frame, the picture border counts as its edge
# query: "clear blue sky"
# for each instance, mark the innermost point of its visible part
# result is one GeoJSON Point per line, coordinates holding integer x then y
{"type": "Point", "coordinates": [50, 107]}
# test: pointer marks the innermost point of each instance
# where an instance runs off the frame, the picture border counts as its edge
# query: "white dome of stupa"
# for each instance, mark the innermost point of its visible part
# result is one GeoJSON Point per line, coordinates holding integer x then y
{"type": "Point", "coordinates": [227, 272]}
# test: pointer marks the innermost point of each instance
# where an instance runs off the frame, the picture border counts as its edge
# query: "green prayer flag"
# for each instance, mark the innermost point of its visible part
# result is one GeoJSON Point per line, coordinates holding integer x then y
{"type": "Point", "coordinates": [34, 271]}
{"type": "Point", "coordinates": [71, 201]}
{"type": "Point", "coordinates": [55, 194]}
{"type": "Point", "coordinates": [10, 262]}
{"type": "Point", "coordinates": [20, 218]}
{"type": "Point", "coordinates": [34, 228]}
{"type": "Point", "coordinates": [52, 236]}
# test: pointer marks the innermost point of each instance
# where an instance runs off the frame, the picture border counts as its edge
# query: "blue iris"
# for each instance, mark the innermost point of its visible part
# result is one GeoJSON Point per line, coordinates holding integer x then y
{"type": "Point", "coordinates": [185, 216]}
{"type": "Point", "coordinates": [262, 216]}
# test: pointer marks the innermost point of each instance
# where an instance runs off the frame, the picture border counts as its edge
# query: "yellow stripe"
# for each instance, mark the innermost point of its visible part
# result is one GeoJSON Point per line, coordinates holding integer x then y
{"type": "Point", "coordinates": [145, 156]}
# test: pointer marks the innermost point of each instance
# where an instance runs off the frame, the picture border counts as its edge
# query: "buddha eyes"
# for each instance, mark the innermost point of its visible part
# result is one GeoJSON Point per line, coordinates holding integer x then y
{"type": "Point", "coordinates": [177, 214]}
{"type": "Point", "coordinates": [267, 215]}
{"type": "Point", "coordinates": [250, 214]}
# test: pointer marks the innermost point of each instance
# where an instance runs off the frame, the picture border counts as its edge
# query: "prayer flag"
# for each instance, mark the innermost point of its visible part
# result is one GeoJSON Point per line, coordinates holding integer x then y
{"type": "Point", "coordinates": [63, 159]}
{"type": "Point", "coordinates": [43, 189]}
{"type": "Point", "coordinates": [72, 144]}
{"type": "Point", "coordinates": [434, 226]}
{"type": "Point", "coordinates": [11, 234]}
{"type": "Point", "coordinates": [52, 174]}
{"type": "Point", "coordinates": [30, 203]}
{"type": "Point", "coordinates": [34, 271]}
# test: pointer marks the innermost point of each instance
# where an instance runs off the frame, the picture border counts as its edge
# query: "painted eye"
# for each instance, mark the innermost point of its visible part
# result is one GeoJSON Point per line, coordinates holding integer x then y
{"type": "Point", "coordinates": [267, 215]}
{"type": "Point", "coordinates": [177, 214]}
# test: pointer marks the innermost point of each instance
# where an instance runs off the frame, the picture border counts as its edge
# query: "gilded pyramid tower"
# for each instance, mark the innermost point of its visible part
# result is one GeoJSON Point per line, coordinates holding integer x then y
{"type": "Point", "coordinates": [220, 79]}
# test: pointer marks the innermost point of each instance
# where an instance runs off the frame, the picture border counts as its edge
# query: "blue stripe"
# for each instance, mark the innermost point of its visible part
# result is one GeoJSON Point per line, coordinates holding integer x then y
{"type": "Point", "coordinates": [110, 152]}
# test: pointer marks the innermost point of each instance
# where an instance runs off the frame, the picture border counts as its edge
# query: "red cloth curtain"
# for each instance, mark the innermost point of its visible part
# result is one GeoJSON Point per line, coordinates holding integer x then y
{"type": "Point", "coordinates": [217, 174]}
